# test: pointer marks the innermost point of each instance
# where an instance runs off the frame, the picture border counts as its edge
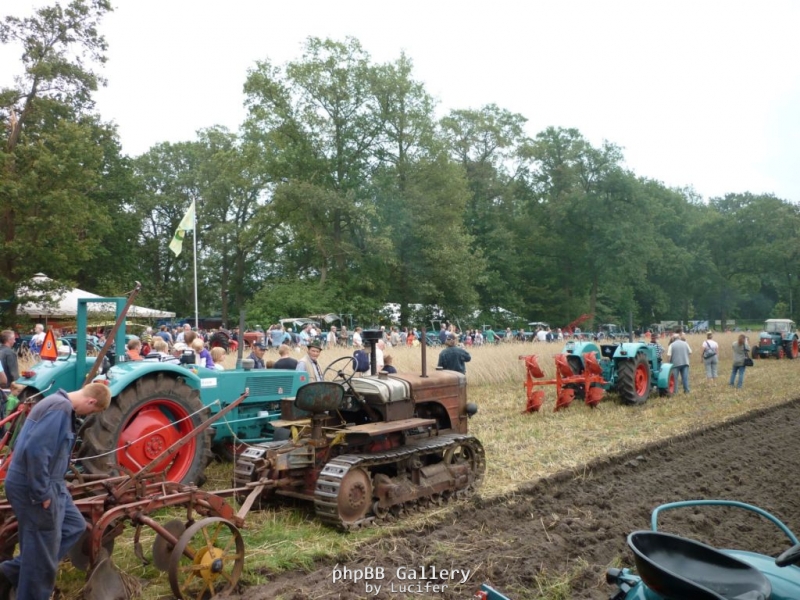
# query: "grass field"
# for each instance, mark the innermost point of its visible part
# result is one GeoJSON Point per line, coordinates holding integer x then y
{"type": "Point", "coordinates": [519, 448]}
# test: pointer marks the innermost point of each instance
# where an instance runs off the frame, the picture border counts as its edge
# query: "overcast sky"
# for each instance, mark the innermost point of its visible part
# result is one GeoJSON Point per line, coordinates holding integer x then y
{"type": "Point", "coordinates": [697, 93]}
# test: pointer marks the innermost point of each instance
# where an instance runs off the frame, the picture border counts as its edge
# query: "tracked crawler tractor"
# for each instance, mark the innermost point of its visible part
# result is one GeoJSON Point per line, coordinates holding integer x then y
{"type": "Point", "coordinates": [368, 448]}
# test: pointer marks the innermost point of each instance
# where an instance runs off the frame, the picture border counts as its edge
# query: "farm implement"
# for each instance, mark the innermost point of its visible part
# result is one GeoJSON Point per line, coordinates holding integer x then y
{"type": "Point", "coordinates": [203, 553]}
{"type": "Point", "coordinates": [587, 371]}
{"type": "Point", "coordinates": [669, 567]}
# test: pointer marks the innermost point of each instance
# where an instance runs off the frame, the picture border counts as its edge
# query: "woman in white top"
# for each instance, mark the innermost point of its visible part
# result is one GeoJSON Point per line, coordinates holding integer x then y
{"type": "Point", "coordinates": [710, 357]}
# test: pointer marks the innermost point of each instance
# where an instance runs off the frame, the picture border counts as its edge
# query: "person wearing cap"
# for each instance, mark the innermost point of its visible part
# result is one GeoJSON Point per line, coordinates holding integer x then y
{"type": "Point", "coordinates": [309, 363]}
{"type": "Point", "coordinates": [257, 355]}
{"type": "Point", "coordinates": [453, 358]}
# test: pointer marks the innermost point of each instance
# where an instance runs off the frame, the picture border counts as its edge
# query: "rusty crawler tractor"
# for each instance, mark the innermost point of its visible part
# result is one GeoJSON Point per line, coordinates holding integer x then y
{"type": "Point", "coordinates": [366, 448]}
{"type": "Point", "coordinates": [586, 370]}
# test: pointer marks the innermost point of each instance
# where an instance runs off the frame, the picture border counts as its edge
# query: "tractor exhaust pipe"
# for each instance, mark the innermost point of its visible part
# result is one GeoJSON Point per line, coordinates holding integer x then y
{"type": "Point", "coordinates": [240, 344]}
{"type": "Point", "coordinates": [424, 344]}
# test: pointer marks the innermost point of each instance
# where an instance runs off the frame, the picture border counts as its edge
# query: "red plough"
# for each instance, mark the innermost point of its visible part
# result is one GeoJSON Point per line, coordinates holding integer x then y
{"type": "Point", "coordinates": [585, 384]}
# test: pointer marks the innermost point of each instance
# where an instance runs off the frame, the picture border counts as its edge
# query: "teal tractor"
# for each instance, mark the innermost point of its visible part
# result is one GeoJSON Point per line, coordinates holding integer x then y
{"type": "Point", "coordinates": [587, 371]}
{"type": "Point", "coordinates": [779, 339]}
{"type": "Point", "coordinates": [156, 403]}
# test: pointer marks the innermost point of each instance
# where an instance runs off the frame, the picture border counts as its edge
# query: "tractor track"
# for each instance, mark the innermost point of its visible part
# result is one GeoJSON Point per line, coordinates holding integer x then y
{"type": "Point", "coordinates": [577, 521]}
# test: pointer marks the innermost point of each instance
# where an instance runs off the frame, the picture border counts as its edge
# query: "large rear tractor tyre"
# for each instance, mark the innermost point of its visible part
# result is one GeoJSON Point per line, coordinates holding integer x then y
{"type": "Point", "coordinates": [792, 349]}
{"type": "Point", "coordinates": [145, 419]}
{"type": "Point", "coordinates": [633, 384]}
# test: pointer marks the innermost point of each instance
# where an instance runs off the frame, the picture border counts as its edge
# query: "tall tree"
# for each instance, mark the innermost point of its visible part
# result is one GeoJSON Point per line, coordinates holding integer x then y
{"type": "Point", "coordinates": [51, 162]}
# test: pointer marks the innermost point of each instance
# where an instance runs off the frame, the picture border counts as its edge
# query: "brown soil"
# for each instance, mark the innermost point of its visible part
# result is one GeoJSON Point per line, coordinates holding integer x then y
{"type": "Point", "coordinates": [576, 523]}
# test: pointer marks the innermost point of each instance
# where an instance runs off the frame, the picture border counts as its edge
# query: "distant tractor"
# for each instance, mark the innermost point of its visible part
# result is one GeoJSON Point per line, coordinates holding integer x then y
{"type": "Point", "coordinates": [779, 339]}
{"type": "Point", "coordinates": [611, 331]}
{"type": "Point", "coordinates": [587, 371]}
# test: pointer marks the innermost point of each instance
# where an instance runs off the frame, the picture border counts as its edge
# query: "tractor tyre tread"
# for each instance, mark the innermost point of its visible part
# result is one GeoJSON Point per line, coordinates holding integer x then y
{"type": "Point", "coordinates": [626, 379]}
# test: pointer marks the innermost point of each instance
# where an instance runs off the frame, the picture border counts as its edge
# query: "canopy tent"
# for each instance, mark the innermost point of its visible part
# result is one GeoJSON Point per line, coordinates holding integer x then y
{"type": "Point", "coordinates": [65, 304]}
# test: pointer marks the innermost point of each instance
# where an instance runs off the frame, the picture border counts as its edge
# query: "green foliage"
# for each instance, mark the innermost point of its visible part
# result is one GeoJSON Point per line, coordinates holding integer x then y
{"type": "Point", "coordinates": [342, 193]}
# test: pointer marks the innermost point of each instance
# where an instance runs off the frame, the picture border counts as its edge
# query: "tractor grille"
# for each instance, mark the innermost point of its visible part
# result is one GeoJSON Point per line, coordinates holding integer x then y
{"type": "Point", "coordinates": [278, 387]}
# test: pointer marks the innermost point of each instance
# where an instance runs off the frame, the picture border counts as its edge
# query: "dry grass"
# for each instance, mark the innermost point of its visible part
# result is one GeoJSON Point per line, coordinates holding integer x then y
{"type": "Point", "coordinates": [519, 447]}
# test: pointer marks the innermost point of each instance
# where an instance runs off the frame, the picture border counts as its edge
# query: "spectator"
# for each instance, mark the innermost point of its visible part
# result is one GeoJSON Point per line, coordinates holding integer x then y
{"type": "Point", "coordinates": [37, 341]}
{"type": "Point", "coordinates": [411, 338]}
{"type": "Point", "coordinates": [309, 363]}
{"type": "Point", "coordinates": [358, 342]}
{"type": "Point", "coordinates": [218, 357]}
{"type": "Point", "coordinates": [443, 334]}
{"type": "Point", "coordinates": [741, 348]}
{"type": "Point", "coordinates": [182, 335]}
{"type": "Point", "coordinates": [711, 358]}
{"type": "Point", "coordinates": [380, 346]}
{"type": "Point", "coordinates": [678, 354]}
{"type": "Point", "coordinates": [387, 364]}
{"type": "Point", "coordinates": [394, 337]}
{"type": "Point", "coordinates": [257, 355]}
{"type": "Point", "coordinates": [203, 355]}
{"type": "Point", "coordinates": [285, 361]}
{"type": "Point", "coordinates": [331, 338]}
{"type": "Point", "coordinates": [453, 358]}
{"type": "Point", "coordinates": [9, 367]}
{"type": "Point", "coordinates": [276, 334]}
{"type": "Point", "coordinates": [164, 335]}
{"type": "Point", "coordinates": [48, 523]}
{"type": "Point", "coordinates": [344, 339]}
{"type": "Point", "coordinates": [161, 353]}
{"type": "Point", "coordinates": [133, 351]}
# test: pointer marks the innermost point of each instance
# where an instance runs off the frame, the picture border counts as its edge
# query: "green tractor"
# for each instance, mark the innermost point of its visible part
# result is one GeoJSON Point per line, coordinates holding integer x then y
{"type": "Point", "coordinates": [156, 403]}
{"type": "Point", "coordinates": [779, 339]}
{"type": "Point", "coordinates": [587, 371]}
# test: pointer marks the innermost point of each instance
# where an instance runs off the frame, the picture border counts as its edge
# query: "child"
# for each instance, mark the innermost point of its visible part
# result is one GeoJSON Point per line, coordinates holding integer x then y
{"type": "Point", "coordinates": [218, 356]}
{"type": "Point", "coordinates": [387, 364]}
{"type": "Point", "coordinates": [203, 356]}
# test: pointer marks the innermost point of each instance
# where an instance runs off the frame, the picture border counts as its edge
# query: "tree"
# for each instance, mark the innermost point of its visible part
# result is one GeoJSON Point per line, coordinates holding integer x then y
{"type": "Point", "coordinates": [51, 162]}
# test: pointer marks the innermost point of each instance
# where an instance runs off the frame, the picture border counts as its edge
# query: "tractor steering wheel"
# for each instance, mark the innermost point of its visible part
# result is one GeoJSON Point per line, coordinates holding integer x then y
{"type": "Point", "coordinates": [790, 557]}
{"type": "Point", "coordinates": [342, 370]}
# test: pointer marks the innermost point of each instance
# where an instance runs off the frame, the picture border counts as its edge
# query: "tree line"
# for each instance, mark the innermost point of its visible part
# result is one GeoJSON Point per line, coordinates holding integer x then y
{"type": "Point", "coordinates": [343, 191]}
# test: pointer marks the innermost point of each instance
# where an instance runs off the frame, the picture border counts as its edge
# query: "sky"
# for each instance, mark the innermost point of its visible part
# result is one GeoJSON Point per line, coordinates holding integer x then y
{"type": "Point", "coordinates": [701, 94]}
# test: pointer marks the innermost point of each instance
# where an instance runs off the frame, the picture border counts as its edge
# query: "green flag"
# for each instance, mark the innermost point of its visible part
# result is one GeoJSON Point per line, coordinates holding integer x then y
{"type": "Point", "coordinates": [186, 224]}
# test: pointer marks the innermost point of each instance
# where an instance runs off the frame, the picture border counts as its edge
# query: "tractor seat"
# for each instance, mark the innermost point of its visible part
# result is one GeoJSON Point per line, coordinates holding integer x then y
{"type": "Point", "coordinates": [678, 568]}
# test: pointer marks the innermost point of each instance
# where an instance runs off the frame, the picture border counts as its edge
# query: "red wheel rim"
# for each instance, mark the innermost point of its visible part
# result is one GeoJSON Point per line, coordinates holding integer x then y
{"type": "Point", "coordinates": [794, 348]}
{"type": "Point", "coordinates": [150, 431]}
{"type": "Point", "coordinates": [673, 382]}
{"type": "Point", "coordinates": [642, 380]}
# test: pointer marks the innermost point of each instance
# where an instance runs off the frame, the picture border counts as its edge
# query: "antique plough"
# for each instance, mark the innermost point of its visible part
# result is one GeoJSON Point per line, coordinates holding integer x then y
{"type": "Point", "coordinates": [203, 553]}
{"type": "Point", "coordinates": [586, 382]}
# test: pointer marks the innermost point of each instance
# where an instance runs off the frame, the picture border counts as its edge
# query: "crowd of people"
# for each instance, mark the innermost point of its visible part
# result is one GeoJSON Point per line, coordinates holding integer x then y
{"type": "Point", "coordinates": [679, 353]}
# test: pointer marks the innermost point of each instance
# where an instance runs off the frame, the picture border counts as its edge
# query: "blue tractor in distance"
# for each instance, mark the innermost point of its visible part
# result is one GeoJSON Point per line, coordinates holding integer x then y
{"type": "Point", "coordinates": [779, 339]}
{"type": "Point", "coordinates": [155, 403]}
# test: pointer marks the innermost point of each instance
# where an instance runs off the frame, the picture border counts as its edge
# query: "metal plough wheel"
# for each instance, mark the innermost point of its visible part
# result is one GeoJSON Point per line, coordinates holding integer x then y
{"type": "Point", "coordinates": [207, 560]}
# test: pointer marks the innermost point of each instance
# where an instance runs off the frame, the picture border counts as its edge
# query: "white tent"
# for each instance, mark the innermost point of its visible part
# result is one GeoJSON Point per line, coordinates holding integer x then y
{"type": "Point", "coordinates": [65, 304]}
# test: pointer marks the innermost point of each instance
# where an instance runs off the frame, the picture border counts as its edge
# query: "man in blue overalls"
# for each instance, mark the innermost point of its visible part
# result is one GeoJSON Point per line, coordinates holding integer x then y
{"type": "Point", "coordinates": [48, 522]}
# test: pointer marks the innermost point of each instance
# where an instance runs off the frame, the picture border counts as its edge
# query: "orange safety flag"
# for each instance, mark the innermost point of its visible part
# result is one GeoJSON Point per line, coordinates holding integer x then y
{"type": "Point", "coordinates": [49, 348]}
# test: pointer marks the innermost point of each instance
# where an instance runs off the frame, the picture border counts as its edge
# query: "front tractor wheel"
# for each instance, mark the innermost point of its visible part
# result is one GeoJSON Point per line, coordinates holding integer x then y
{"type": "Point", "coordinates": [633, 383]}
{"type": "Point", "coordinates": [144, 420]}
{"type": "Point", "coordinates": [672, 384]}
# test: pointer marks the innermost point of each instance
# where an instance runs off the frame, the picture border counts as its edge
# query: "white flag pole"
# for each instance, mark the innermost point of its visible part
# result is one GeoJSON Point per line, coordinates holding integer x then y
{"type": "Point", "coordinates": [194, 235]}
